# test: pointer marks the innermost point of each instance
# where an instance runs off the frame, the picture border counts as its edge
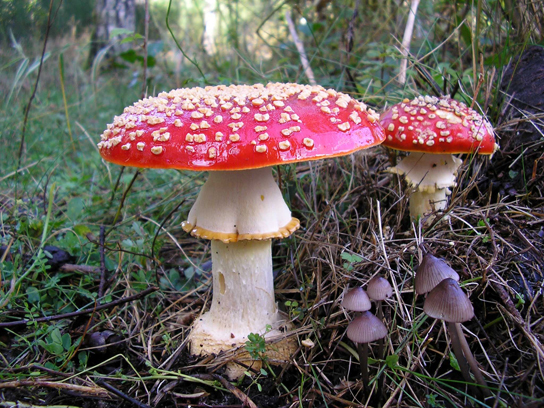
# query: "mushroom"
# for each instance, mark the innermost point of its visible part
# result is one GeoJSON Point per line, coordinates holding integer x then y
{"type": "Point", "coordinates": [237, 133]}
{"type": "Point", "coordinates": [379, 289]}
{"type": "Point", "coordinates": [362, 330]}
{"type": "Point", "coordinates": [356, 300]}
{"type": "Point", "coordinates": [430, 272]}
{"type": "Point", "coordinates": [449, 303]}
{"type": "Point", "coordinates": [432, 130]}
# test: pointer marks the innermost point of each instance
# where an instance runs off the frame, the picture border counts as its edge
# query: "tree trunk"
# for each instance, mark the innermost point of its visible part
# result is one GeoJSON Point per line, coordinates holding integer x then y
{"type": "Point", "coordinates": [211, 27]}
{"type": "Point", "coordinates": [112, 14]}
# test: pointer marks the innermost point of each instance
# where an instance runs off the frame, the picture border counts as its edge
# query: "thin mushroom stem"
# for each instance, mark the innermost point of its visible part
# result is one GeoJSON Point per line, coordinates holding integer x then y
{"type": "Point", "coordinates": [362, 349]}
{"type": "Point", "coordinates": [471, 360]}
{"type": "Point", "coordinates": [379, 314]}
{"type": "Point", "coordinates": [458, 351]}
{"type": "Point", "coordinates": [381, 350]}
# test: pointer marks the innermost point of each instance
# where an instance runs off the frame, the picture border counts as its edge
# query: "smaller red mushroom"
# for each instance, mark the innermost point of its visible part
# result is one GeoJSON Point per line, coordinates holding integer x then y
{"type": "Point", "coordinates": [433, 130]}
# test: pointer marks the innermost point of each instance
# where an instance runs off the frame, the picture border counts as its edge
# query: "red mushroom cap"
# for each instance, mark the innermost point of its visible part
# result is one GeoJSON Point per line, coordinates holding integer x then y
{"type": "Point", "coordinates": [431, 125]}
{"type": "Point", "coordinates": [239, 127]}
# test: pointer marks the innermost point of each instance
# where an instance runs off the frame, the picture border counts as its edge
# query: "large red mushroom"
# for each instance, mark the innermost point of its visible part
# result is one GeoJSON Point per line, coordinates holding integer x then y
{"type": "Point", "coordinates": [237, 133]}
{"type": "Point", "coordinates": [433, 130]}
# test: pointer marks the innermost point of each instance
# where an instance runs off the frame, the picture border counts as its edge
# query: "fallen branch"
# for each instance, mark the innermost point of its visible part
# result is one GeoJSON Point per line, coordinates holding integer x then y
{"type": "Point", "coordinates": [94, 391]}
{"type": "Point", "coordinates": [81, 312]}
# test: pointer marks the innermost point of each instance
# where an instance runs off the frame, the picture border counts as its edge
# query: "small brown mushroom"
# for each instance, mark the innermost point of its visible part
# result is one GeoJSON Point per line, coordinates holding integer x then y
{"type": "Point", "coordinates": [430, 272]}
{"type": "Point", "coordinates": [448, 302]}
{"type": "Point", "coordinates": [379, 289]}
{"type": "Point", "coordinates": [356, 300]}
{"type": "Point", "coordinates": [362, 330]}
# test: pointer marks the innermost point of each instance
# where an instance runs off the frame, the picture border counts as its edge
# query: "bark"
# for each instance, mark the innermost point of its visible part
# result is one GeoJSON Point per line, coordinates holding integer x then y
{"type": "Point", "coordinates": [111, 14]}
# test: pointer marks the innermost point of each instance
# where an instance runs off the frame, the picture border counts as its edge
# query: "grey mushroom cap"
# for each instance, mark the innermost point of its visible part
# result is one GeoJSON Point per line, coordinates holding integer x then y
{"type": "Point", "coordinates": [379, 288]}
{"type": "Point", "coordinates": [448, 302]}
{"type": "Point", "coordinates": [366, 328]}
{"type": "Point", "coordinates": [356, 300]}
{"type": "Point", "coordinates": [430, 272]}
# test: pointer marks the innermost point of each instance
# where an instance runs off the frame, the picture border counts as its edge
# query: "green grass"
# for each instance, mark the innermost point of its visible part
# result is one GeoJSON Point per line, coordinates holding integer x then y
{"type": "Point", "coordinates": [63, 192]}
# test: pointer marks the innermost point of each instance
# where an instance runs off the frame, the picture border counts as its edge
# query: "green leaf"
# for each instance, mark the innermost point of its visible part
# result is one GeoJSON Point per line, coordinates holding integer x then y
{"type": "Point", "coordinates": [66, 341]}
{"type": "Point", "coordinates": [32, 295]}
{"type": "Point", "coordinates": [392, 361]}
{"type": "Point", "coordinates": [453, 362]}
{"type": "Point", "coordinates": [81, 230]}
{"type": "Point", "coordinates": [120, 31]}
{"type": "Point", "coordinates": [129, 56]}
{"type": "Point", "coordinates": [56, 337]}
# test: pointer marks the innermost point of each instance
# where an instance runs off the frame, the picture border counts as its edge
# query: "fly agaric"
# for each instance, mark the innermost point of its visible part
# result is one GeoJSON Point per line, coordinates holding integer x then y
{"type": "Point", "coordinates": [237, 133]}
{"type": "Point", "coordinates": [433, 130]}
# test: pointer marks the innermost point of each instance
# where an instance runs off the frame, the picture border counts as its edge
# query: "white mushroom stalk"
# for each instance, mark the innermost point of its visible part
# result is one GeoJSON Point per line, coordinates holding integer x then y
{"type": "Point", "coordinates": [431, 175]}
{"type": "Point", "coordinates": [236, 205]}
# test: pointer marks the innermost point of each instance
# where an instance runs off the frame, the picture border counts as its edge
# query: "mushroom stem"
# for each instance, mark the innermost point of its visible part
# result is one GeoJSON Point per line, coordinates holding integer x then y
{"type": "Point", "coordinates": [458, 351]}
{"type": "Point", "coordinates": [240, 205]}
{"type": "Point", "coordinates": [471, 360]}
{"type": "Point", "coordinates": [362, 349]}
{"type": "Point", "coordinates": [379, 315]}
{"type": "Point", "coordinates": [424, 202]}
{"type": "Point", "coordinates": [381, 350]}
{"type": "Point", "coordinates": [243, 296]}
{"type": "Point", "coordinates": [431, 175]}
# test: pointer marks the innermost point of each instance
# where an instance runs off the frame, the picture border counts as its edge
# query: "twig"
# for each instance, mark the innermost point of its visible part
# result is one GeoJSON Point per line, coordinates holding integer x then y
{"type": "Point", "coordinates": [79, 268]}
{"type": "Point", "coordinates": [123, 198]}
{"type": "Point", "coordinates": [19, 404]}
{"type": "Point", "coordinates": [122, 395]}
{"type": "Point", "coordinates": [235, 391]}
{"type": "Point", "coordinates": [29, 104]}
{"type": "Point", "coordinates": [400, 387]}
{"type": "Point", "coordinates": [406, 39]}
{"type": "Point", "coordinates": [102, 264]}
{"type": "Point", "coordinates": [82, 312]}
{"type": "Point", "coordinates": [179, 46]}
{"type": "Point", "coordinates": [95, 391]}
{"type": "Point", "coordinates": [300, 48]}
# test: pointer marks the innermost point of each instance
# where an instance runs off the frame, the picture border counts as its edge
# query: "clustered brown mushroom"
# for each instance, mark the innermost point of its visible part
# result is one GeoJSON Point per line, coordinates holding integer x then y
{"type": "Point", "coordinates": [365, 328]}
{"type": "Point", "coordinates": [446, 301]}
